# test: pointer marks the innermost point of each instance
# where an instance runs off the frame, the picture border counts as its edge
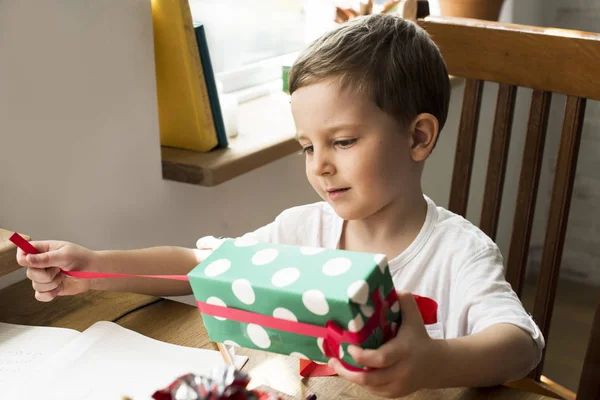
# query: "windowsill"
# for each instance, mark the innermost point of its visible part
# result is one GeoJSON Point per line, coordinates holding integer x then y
{"type": "Point", "coordinates": [265, 134]}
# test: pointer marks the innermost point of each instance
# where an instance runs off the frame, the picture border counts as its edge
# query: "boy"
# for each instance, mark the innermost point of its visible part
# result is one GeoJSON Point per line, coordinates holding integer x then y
{"type": "Point", "coordinates": [368, 100]}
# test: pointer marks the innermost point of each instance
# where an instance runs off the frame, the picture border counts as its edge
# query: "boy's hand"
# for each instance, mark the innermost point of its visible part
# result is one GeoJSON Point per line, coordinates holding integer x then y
{"type": "Point", "coordinates": [44, 269]}
{"type": "Point", "coordinates": [401, 366]}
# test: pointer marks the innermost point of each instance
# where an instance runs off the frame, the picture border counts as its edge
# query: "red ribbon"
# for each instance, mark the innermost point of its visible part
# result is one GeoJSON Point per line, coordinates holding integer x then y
{"type": "Point", "coordinates": [330, 330]}
{"type": "Point", "coordinates": [23, 244]}
{"type": "Point", "coordinates": [333, 335]}
{"type": "Point", "coordinates": [28, 248]}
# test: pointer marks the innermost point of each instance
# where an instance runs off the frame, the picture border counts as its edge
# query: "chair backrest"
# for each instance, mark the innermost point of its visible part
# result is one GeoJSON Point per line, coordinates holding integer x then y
{"type": "Point", "coordinates": [547, 61]}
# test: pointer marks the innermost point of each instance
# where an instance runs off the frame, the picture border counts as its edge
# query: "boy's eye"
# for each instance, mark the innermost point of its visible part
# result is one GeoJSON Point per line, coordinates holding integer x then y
{"type": "Point", "coordinates": [345, 143]}
{"type": "Point", "coordinates": [307, 150]}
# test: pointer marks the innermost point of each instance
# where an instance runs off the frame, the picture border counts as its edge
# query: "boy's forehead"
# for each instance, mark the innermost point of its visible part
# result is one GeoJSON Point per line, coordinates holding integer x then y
{"type": "Point", "coordinates": [328, 101]}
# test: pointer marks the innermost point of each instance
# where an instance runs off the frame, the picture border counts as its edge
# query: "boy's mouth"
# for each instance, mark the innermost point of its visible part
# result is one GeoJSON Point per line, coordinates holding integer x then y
{"type": "Point", "coordinates": [336, 190]}
{"type": "Point", "coordinates": [336, 193]}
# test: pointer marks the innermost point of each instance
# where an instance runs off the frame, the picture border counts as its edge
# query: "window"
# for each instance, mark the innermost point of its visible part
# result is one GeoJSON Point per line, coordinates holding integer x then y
{"type": "Point", "coordinates": [248, 38]}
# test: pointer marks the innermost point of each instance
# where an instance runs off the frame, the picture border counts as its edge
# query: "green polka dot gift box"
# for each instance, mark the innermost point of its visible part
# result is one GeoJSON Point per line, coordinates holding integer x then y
{"type": "Point", "coordinates": [300, 301]}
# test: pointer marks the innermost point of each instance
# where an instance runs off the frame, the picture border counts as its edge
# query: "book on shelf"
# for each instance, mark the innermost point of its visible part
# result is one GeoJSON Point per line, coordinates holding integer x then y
{"type": "Point", "coordinates": [184, 107]}
{"type": "Point", "coordinates": [211, 84]}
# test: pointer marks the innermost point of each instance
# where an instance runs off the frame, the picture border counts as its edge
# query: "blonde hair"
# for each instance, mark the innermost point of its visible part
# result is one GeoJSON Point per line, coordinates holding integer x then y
{"type": "Point", "coordinates": [388, 58]}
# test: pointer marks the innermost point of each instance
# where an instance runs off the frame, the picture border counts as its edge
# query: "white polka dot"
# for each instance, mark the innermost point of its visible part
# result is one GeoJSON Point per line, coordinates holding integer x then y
{"type": "Point", "coordinates": [356, 324]}
{"type": "Point", "coordinates": [337, 266]}
{"type": "Point", "coordinates": [259, 336]}
{"type": "Point", "coordinates": [309, 251]}
{"type": "Point", "coordinates": [285, 277]}
{"type": "Point", "coordinates": [367, 310]}
{"type": "Point", "coordinates": [243, 291]}
{"type": "Point", "coordinates": [231, 343]}
{"type": "Point", "coordinates": [395, 307]}
{"type": "Point", "coordinates": [284, 313]}
{"type": "Point", "coordinates": [320, 344]}
{"type": "Point", "coordinates": [298, 355]}
{"type": "Point", "coordinates": [381, 261]}
{"type": "Point", "coordinates": [265, 256]}
{"type": "Point", "coordinates": [315, 302]}
{"type": "Point", "coordinates": [215, 301]}
{"type": "Point", "coordinates": [217, 267]}
{"type": "Point", "coordinates": [358, 292]}
{"type": "Point", "coordinates": [245, 242]}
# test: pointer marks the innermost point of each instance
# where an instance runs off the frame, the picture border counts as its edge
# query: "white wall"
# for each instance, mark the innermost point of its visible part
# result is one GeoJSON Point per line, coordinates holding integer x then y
{"type": "Point", "coordinates": [79, 143]}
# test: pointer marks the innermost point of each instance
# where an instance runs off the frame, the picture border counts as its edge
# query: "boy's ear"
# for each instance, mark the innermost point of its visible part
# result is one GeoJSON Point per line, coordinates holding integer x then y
{"type": "Point", "coordinates": [424, 133]}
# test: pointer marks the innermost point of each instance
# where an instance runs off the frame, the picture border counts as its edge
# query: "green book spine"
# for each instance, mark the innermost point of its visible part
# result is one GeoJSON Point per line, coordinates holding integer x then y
{"type": "Point", "coordinates": [211, 85]}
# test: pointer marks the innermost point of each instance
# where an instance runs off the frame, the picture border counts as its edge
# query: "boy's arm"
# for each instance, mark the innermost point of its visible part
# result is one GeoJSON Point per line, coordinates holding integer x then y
{"type": "Point", "coordinates": [496, 355]}
{"type": "Point", "coordinates": [152, 261]}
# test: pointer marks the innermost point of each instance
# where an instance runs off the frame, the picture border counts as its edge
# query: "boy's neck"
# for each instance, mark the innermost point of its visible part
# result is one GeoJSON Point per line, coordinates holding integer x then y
{"type": "Point", "coordinates": [389, 231]}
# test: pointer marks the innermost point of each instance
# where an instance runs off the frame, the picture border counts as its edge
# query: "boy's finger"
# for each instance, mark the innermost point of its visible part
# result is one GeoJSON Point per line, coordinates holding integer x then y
{"type": "Point", "coordinates": [411, 315]}
{"type": "Point", "coordinates": [53, 258]}
{"type": "Point", "coordinates": [42, 275]}
{"type": "Point", "coordinates": [382, 357]}
{"type": "Point", "coordinates": [43, 287]}
{"type": "Point", "coordinates": [48, 296]}
{"type": "Point", "coordinates": [357, 377]}
{"type": "Point", "coordinates": [373, 378]}
{"type": "Point", "coordinates": [22, 258]}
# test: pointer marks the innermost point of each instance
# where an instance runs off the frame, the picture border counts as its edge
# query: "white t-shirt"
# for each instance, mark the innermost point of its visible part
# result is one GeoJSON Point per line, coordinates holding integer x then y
{"type": "Point", "coordinates": [450, 261]}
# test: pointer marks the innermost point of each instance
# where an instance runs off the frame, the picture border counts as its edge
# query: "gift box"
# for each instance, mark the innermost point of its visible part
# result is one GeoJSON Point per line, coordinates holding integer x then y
{"type": "Point", "coordinates": [301, 301]}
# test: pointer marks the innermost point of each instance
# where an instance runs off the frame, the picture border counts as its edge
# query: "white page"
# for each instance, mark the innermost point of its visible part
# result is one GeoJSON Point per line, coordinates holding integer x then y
{"type": "Point", "coordinates": [24, 348]}
{"type": "Point", "coordinates": [108, 361]}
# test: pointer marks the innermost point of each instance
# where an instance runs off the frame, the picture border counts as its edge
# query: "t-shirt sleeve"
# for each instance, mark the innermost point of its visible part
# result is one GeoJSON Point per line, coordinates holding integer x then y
{"type": "Point", "coordinates": [308, 225]}
{"type": "Point", "coordinates": [273, 232]}
{"type": "Point", "coordinates": [265, 234]}
{"type": "Point", "coordinates": [313, 225]}
{"type": "Point", "coordinates": [486, 299]}
{"type": "Point", "coordinates": [269, 233]}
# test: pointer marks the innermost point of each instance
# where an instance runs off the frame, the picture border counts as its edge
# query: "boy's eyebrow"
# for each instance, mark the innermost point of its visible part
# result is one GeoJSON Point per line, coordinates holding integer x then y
{"type": "Point", "coordinates": [333, 129]}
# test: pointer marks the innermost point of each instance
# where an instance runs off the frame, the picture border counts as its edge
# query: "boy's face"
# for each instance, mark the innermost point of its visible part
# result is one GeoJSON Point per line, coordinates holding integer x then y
{"type": "Point", "coordinates": [358, 157]}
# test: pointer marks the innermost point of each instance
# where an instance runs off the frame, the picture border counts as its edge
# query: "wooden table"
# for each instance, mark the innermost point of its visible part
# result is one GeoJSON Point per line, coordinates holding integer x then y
{"type": "Point", "coordinates": [181, 324]}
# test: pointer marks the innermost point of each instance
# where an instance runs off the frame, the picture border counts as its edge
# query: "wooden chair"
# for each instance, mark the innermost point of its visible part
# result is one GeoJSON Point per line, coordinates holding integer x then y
{"type": "Point", "coordinates": [548, 61]}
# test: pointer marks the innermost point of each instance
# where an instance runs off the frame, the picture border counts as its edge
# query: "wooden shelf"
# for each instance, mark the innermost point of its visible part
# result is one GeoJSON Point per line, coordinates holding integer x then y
{"type": "Point", "coordinates": [266, 134]}
{"type": "Point", "coordinates": [8, 253]}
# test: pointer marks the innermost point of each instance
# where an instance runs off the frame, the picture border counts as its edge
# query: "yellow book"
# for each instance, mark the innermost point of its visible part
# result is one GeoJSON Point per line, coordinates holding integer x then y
{"type": "Point", "coordinates": [184, 112]}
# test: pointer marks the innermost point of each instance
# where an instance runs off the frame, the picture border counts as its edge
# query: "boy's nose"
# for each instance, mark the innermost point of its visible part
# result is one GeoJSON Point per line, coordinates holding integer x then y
{"type": "Point", "coordinates": [322, 164]}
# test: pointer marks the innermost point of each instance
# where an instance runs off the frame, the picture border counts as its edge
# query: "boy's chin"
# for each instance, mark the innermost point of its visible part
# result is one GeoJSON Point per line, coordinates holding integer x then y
{"type": "Point", "coordinates": [346, 211]}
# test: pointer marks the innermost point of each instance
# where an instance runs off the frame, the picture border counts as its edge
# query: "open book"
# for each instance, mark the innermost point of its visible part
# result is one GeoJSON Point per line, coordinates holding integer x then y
{"type": "Point", "coordinates": [106, 361]}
